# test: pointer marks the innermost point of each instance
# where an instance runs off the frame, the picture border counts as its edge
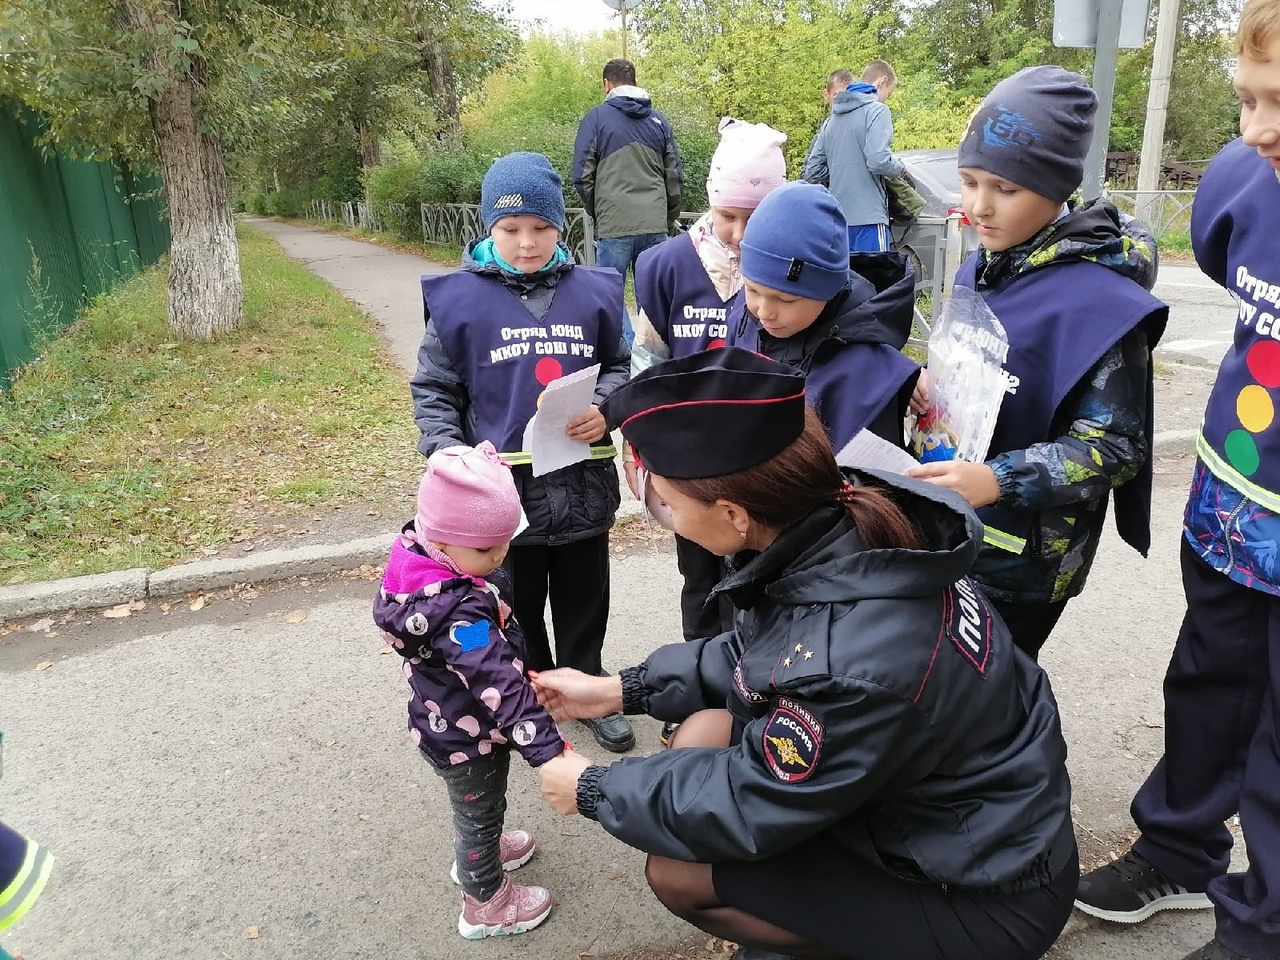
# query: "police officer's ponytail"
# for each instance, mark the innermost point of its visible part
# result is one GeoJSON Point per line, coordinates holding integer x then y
{"type": "Point", "coordinates": [803, 476]}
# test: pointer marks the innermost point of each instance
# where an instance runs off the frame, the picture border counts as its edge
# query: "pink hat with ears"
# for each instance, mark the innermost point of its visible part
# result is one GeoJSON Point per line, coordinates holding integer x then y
{"type": "Point", "coordinates": [468, 498]}
{"type": "Point", "coordinates": [747, 164]}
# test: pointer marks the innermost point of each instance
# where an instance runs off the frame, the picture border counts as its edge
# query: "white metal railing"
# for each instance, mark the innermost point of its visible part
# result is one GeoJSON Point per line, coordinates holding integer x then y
{"type": "Point", "coordinates": [1161, 210]}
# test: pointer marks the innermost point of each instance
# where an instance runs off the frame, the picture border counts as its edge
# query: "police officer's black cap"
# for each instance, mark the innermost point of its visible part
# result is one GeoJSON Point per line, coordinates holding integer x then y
{"type": "Point", "coordinates": [709, 414]}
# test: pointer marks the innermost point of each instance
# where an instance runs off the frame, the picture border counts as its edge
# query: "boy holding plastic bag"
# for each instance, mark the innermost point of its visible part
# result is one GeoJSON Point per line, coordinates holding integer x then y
{"type": "Point", "coordinates": [1068, 283]}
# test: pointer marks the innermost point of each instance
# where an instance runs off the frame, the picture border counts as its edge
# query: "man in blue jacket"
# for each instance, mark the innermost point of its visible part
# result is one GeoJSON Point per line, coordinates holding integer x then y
{"type": "Point", "coordinates": [851, 156]}
{"type": "Point", "coordinates": [627, 171]}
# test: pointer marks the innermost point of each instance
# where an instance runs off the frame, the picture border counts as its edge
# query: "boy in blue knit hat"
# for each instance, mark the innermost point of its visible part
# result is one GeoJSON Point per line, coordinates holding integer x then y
{"type": "Point", "coordinates": [518, 315]}
{"type": "Point", "coordinates": [1069, 283]}
{"type": "Point", "coordinates": [802, 304]}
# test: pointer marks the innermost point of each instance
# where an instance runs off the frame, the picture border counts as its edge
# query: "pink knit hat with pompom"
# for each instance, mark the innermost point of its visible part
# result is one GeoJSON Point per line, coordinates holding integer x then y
{"type": "Point", "coordinates": [468, 498]}
{"type": "Point", "coordinates": [747, 164]}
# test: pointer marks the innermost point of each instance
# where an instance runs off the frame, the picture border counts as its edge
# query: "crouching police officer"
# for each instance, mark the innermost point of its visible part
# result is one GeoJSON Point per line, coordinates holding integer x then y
{"type": "Point", "coordinates": [875, 772]}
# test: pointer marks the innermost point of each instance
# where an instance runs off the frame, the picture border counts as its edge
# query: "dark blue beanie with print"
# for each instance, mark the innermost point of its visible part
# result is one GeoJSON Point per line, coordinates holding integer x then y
{"type": "Point", "coordinates": [521, 183]}
{"type": "Point", "coordinates": [797, 243]}
{"type": "Point", "coordinates": [1034, 129]}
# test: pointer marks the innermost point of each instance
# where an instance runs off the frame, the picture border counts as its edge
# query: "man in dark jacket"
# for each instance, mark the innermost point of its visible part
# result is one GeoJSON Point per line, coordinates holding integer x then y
{"type": "Point", "coordinates": [627, 170]}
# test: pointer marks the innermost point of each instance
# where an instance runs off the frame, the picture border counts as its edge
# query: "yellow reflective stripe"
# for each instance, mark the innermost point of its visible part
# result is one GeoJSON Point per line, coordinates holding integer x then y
{"type": "Point", "coordinates": [1228, 474]}
{"type": "Point", "coordinates": [524, 456]}
{"type": "Point", "coordinates": [17, 898]}
{"type": "Point", "coordinates": [1002, 540]}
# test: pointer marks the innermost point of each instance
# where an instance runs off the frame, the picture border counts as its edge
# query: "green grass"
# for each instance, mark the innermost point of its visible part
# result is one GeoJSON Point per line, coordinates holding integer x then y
{"type": "Point", "coordinates": [1175, 241]}
{"type": "Point", "coordinates": [123, 447]}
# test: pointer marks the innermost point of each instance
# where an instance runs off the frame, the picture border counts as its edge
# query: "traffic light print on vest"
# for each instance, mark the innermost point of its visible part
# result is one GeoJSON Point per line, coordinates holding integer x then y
{"type": "Point", "coordinates": [1255, 407]}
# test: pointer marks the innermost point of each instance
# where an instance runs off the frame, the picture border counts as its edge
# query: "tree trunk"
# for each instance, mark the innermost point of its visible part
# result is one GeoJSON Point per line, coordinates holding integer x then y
{"type": "Point", "coordinates": [370, 151]}
{"type": "Point", "coordinates": [440, 83]}
{"type": "Point", "coordinates": [206, 295]}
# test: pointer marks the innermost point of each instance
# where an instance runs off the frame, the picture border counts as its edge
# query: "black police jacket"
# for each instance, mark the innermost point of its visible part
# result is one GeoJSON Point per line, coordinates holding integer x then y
{"type": "Point", "coordinates": [878, 702]}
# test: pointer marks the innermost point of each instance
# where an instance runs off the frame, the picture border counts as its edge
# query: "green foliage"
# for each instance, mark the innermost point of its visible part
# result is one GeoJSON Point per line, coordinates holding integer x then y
{"type": "Point", "coordinates": [928, 114]}
{"type": "Point", "coordinates": [759, 60]}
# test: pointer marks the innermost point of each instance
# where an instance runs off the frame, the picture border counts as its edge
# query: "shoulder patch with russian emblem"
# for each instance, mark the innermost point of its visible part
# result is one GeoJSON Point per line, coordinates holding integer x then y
{"type": "Point", "coordinates": [792, 741]}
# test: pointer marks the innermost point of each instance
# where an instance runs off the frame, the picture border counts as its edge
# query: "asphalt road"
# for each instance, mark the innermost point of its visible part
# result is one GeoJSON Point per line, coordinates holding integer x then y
{"type": "Point", "coordinates": [1202, 315]}
{"type": "Point", "coordinates": [204, 776]}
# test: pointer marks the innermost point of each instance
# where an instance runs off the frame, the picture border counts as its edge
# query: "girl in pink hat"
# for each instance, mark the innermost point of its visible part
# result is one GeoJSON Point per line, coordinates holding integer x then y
{"type": "Point", "coordinates": [445, 606]}
{"type": "Point", "coordinates": [683, 288]}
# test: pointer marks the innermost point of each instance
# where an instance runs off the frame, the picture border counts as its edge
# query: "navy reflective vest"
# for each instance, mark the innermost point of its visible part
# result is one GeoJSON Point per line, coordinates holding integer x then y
{"type": "Point", "coordinates": [1234, 224]}
{"type": "Point", "coordinates": [24, 871]}
{"type": "Point", "coordinates": [679, 298]}
{"type": "Point", "coordinates": [506, 358]}
{"type": "Point", "coordinates": [1059, 324]}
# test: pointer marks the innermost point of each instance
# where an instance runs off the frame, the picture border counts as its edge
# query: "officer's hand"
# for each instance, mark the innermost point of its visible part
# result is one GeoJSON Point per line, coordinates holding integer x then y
{"type": "Point", "coordinates": [587, 427]}
{"type": "Point", "coordinates": [558, 779]}
{"type": "Point", "coordinates": [976, 482]}
{"type": "Point", "coordinates": [571, 694]}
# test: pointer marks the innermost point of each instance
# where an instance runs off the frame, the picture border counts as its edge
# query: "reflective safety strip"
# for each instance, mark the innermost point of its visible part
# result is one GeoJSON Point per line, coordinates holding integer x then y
{"type": "Point", "coordinates": [17, 898]}
{"type": "Point", "coordinates": [1003, 541]}
{"type": "Point", "coordinates": [1225, 473]}
{"type": "Point", "coordinates": [526, 457]}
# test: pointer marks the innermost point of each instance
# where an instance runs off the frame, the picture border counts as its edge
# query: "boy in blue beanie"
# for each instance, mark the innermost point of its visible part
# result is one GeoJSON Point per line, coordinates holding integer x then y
{"type": "Point", "coordinates": [519, 314]}
{"type": "Point", "coordinates": [1069, 283]}
{"type": "Point", "coordinates": [802, 305]}
{"type": "Point", "coordinates": [1222, 687]}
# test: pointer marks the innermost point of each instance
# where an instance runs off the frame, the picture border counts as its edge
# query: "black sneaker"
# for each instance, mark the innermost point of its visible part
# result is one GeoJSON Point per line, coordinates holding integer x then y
{"type": "Point", "coordinates": [1131, 889]}
{"type": "Point", "coordinates": [1213, 950]}
{"type": "Point", "coordinates": [613, 732]}
{"type": "Point", "coordinates": [668, 731]}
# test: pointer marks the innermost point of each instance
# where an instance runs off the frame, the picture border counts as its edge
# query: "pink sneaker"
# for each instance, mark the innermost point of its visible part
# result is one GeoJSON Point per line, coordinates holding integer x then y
{"type": "Point", "coordinates": [515, 846]}
{"type": "Point", "coordinates": [513, 909]}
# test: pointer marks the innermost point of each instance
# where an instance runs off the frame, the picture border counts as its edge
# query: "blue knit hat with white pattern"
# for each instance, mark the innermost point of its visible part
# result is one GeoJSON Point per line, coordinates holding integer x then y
{"type": "Point", "coordinates": [522, 183]}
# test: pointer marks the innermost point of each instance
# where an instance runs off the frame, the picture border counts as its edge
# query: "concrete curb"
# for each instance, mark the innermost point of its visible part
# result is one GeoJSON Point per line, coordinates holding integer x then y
{"type": "Point", "coordinates": [139, 583]}
{"type": "Point", "coordinates": [109, 589]}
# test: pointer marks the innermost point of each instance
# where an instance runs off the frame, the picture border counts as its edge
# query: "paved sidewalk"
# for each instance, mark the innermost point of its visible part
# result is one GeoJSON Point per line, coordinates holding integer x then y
{"type": "Point", "coordinates": [382, 282]}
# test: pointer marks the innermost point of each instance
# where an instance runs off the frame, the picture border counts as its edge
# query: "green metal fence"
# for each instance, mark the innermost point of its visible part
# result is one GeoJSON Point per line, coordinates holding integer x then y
{"type": "Point", "coordinates": [69, 230]}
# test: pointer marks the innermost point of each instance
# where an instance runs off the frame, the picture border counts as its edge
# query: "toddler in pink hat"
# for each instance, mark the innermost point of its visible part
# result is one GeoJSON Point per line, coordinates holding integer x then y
{"type": "Point", "coordinates": [467, 499]}
{"type": "Point", "coordinates": [445, 607]}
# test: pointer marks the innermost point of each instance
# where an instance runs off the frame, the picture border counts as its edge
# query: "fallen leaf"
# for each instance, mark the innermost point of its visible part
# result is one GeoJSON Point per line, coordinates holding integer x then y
{"type": "Point", "coordinates": [166, 607]}
{"type": "Point", "coordinates": [137, 604]}
{"type": "Point", "coordinates": [384, 651]}
{"type": "Point", "coordinates": [328, 743]}
{"type": "Point", "coordinates": [115, 613]}
{"type": "Point", "coordinates": [41, 625]}
{"type": "Point", "coordinates": [51, 634]}
{"type": "Point", "coordinates": [251, 933]}
{"type": "Point", "coordinates": [362, 816]}
{"type": "Point", "coordinates": [297, 616]}
{"type": "Point", "coordinates": [198, 604]}
{"type": "Point", "coordinates": [44, 665]}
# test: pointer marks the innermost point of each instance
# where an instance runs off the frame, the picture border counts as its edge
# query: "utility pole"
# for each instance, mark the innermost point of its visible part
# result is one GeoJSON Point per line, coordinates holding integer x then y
{"type": "Point", "coordinates": [622, 11]}
{"type": "Point", "coordinates": [1105, 54]}
{"type": "Point", "coordinates": [1152, 156]}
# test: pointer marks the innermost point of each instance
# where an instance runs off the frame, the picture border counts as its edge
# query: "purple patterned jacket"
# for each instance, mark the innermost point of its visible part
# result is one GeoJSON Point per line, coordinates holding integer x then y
{"type": "Point", "coordinates": [464, 660]}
